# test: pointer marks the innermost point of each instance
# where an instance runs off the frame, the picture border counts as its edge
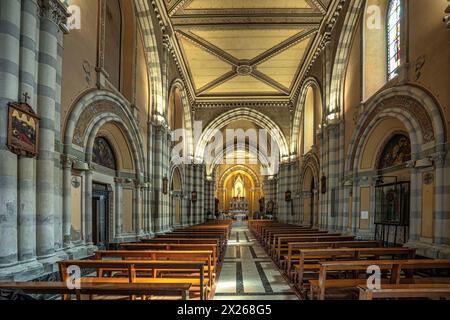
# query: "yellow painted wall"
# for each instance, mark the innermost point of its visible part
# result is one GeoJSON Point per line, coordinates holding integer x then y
{"type": "Point", "coordinates": [127, 210]}
{"type": "Point", "coordinates": [374, 49]}
{"type": "Point", "coordinates": [427, 208]}
{"type": "Point", "coordinates": [352, 87]}
{"type": "Point", "coordinates": [308, 121]}
{"type": "Point", "coordinates": [77, 60]}
{"type": "Point", "coordinates": [429, 39]}
{"type": "Point", "coordinates": [365, 206]}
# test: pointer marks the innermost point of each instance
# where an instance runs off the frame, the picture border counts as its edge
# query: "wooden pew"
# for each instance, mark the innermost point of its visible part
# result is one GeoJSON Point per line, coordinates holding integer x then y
{"type": "Point", "coordinates": [283, 242]}
{"type": "Point", "coordinates": [295, 247]}
{"type": "Point", "coordinates": [173, 246]}
{"type": "Point", "coordinates": [395, 291]}
{"type": "Point", "coordinates": [273, 234]}
{"type": "Point", "coordinates": [393, 266]}
{"type": "Point", "coordinates": [110, 289]}
{"type": "Point", "coordinates": [342, 254]}
{"type": "Point", "coordinates": [164, 255]}
{"type": "Point", "coordinates": [133, 267]}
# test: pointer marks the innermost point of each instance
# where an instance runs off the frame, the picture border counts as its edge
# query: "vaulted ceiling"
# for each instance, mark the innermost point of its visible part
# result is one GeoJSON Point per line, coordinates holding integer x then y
{"type": "Point", "coordinates": [235, 50]}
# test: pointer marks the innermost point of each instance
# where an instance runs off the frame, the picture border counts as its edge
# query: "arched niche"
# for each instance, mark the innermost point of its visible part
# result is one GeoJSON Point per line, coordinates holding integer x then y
{"type": "Point", "coordinates": [307, 118]}
{"type": "Point", "coordinates": [176, 188]}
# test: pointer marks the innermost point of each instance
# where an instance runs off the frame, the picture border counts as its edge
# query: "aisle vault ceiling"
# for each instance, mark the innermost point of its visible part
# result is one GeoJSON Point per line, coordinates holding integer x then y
{"type": "Point", "coordinates": [230, 50]}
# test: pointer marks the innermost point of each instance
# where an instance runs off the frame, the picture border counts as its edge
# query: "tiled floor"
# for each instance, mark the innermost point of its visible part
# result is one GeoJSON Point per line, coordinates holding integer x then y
{"type": "Point", "coordinates": [248, 273]}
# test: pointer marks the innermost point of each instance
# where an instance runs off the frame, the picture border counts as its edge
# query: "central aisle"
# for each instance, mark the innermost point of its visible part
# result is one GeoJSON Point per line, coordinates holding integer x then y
{"type": "Point", "coordinates": [248, 273]}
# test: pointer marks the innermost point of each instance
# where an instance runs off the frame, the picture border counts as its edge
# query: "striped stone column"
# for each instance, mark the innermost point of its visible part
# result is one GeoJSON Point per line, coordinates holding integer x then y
{"type": "Point", "coordinates": [58, 168]}
{"type": "Point", "coordinates": [52, 14]}
{"type": "Point", "coordinates": [157, 179]}
{"type": "Point", "coordinates": [88, 207]}
{"type": "Point", "coordinates": [27, 182]}
{"type": "Point", "coordinates": [441, 236]}
{"type": "Point", "coordinates": [67, 200]}
{"type": "Point", "coordinates": [118, 207]}
{"type": "Point", "coordinates": [10, 16]}
{"type": "Point", "coordinates": [138, 208]}
{"type": "Point", "coordinates": [191, 182]}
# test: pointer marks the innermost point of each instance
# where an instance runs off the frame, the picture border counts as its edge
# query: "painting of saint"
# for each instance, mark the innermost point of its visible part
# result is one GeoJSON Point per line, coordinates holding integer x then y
{"type": "Point", "coordinates": [103, 154]}
{"type": "Point", "coordinates": [23, 130]}
{"type": "Point", "coordinates": [396, 152]}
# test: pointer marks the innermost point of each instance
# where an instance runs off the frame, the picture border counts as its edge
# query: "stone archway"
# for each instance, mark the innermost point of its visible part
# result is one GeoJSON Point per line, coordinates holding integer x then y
{"type": "Point", "coordinates": [419, 117]}
{"type": "Point", "coordinates": [102, 114]}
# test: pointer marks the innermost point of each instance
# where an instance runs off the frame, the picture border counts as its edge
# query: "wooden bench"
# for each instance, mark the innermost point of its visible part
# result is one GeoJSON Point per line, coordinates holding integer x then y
{"type": "Point", "coordinates": [394, 267]}
{"type": "Point", "coordinates": [283, 242]}
{"type": "Point", "coordinates": [273, 235]}
{"type": "Point", "coordinates": [174, 246]}
{"type": "Point", "coordinates": [180, 290]}
{"type": "Point", "coordinates": [132, 269]}
{"type": "Point", "coordinates": [395, 291]}
{"type": "Point", "coordinates": [295, 247]}
{"type": "Point", "coordinates": [194, 256]}
{"type": "Point", "coordinates": [342, 254]}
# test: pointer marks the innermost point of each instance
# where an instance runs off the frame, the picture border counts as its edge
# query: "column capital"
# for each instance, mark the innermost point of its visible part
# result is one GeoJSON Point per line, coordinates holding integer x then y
{"type": "Point", "coordinates": [67, 161]}
{"type": "Point", "coordinates": [55, 11]}
{"type": "Point", "coordinates": [118, 180]}
{"type": "Point", "coordinates": [439, 159]}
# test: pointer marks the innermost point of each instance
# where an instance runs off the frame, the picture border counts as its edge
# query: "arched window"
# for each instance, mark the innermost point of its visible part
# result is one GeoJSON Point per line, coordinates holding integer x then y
{"type": "Point", "coordinates": [393, 38]}
{"type": "Point", "coordinates": [103, 154]}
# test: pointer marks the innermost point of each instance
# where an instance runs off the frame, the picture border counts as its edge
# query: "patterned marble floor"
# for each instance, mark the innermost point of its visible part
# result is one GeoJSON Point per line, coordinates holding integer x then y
{"type": "Point", "coordinates": [248, 273]}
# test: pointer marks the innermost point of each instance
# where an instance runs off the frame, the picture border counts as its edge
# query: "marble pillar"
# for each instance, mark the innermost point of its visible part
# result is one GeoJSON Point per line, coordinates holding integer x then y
{"type": "Point", "coordinates": [88, 207]}
{"type": "Point", "coordinates": [27, 179]}
{"type": "Point", "coordinates": [118, 207]}
{"type": "Point", "coordinates": [10, 16]}
{"type": "Point", "coordinates": [67, 201]}
{"type": "Point", "coordinates": [52, 14]}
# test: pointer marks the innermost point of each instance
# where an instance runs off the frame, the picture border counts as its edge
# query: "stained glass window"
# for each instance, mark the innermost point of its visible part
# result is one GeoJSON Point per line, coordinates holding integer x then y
{"type": "Point", "coordinates": [393, 37]}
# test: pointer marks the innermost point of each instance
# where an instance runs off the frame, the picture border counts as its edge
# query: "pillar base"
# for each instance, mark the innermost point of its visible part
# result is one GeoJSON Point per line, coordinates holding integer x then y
{"type": "Point", "coordinates": [49, 263]}
{"type": "Point", "coordinates": [24, 271]}
{"type": "Point", "coordinates": [430, 250]}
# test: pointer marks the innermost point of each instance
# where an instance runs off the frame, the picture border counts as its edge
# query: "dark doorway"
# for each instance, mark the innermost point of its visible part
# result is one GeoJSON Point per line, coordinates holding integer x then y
{"type": "Point", "coordinates": [100, 209]}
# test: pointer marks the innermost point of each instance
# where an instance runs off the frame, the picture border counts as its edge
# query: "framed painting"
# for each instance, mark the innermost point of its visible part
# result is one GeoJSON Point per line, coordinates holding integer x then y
{"type": "Point", "coordinates": [23, 130]}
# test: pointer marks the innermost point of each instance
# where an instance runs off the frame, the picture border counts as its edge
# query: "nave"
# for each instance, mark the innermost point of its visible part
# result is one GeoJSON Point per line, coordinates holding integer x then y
{"type": "Point", "coordinates": [258, 260]}
{"type": "Point", "coordinates": [248, 273]}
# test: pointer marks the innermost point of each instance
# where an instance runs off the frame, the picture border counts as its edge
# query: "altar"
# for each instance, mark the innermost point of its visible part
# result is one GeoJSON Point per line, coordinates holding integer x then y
{"type": "Point", "coordinates": [238, 208]}
{"type": "Point", "coordinates": [238, 204]}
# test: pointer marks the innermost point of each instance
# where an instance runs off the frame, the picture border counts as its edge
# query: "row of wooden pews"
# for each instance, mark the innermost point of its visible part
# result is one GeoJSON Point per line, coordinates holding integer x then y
{"type": "Point", "coordinates": [318, 263]}
{"type": "Point", "coordinates": [182, 264]}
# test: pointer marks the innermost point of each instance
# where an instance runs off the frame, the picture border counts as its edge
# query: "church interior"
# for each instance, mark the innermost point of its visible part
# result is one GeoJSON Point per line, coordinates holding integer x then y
{"type": "Point", "coordinates": [224, 149]}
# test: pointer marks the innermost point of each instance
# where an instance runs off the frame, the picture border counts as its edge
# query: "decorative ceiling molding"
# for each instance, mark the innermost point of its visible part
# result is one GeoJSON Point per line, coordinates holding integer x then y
{"type": "Point", "coordinates": [179, 21]}
{"type": "Point", "coordinates": [245, 104]}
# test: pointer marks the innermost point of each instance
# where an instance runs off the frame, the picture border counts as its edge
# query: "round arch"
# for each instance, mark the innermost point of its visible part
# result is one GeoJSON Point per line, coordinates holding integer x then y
{"type": "Point", "coordinates": [188, 124]}
{"type": "Point", "coordinates": [93, 110]}
{"type": "Point", "coordinates": [416, 110]}
{"type": "Point", "coordinates": [252, 150]}
{"type": "Point", "coordinates": [242, 114]}
{"type": "Point", "coordinates": [240, 168]}
{"type": "Point", "coordinates": [296, 123]}
{"type": "Point", "coordinates": [143, 10]}
{"type": "Point", "coordinates": [342, 56]}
